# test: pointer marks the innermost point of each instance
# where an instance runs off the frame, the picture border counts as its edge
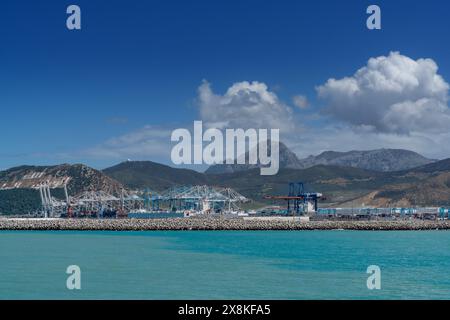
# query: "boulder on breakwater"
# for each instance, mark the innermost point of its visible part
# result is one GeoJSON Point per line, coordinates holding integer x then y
{"type": "Point", "coordinates": [214, 224]}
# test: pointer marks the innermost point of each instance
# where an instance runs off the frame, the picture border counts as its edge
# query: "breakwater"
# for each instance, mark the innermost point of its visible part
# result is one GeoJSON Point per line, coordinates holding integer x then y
{"type": "Point", "coordinates": [214, 224]}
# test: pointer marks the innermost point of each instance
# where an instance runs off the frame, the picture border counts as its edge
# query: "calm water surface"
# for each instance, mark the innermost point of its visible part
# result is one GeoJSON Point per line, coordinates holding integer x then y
{"type": "Point", "coordinates": [225, 264]}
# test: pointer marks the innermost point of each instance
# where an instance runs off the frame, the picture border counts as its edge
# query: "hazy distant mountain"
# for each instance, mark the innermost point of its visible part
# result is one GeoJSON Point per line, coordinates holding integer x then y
{"type": "Point", "coordinates": [384, 160]}
{"type": "Point", "coordinates": [288, 159]}
{"type": "Point", "coordinates": [377, 160]}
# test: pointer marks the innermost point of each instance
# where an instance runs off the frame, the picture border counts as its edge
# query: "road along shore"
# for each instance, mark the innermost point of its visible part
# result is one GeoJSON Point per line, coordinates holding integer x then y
{"type": "Point", "coordinates": [214, 224]}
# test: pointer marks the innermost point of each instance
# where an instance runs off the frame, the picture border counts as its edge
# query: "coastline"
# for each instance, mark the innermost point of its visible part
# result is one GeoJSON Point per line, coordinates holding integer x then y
{"type": "Point", "coordinates": [180, 224]}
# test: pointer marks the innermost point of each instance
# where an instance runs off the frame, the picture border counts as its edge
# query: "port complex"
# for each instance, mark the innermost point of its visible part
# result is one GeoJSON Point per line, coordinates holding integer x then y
{"type": "Point", "coordinates": [207, 202]}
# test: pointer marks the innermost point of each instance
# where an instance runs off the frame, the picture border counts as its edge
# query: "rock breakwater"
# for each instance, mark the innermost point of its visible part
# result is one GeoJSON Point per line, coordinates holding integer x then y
{"type": "Point", "coordinates": [213, 224]}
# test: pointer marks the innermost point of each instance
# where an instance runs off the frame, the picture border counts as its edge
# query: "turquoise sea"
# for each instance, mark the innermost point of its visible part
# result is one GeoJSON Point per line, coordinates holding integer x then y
{"type": "Point", "coordinates": [225, 264]}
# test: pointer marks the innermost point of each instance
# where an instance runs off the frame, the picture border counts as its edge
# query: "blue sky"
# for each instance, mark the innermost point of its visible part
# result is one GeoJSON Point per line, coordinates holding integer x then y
{"type": "Point", "coordinates": [136, 67]}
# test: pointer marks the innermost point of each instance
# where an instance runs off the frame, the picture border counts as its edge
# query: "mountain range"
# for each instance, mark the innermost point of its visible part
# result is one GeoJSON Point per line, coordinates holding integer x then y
{"type": "Point", "coordinates": [346, 179]}
{"type": "Point", "coordinates": [384, 160]}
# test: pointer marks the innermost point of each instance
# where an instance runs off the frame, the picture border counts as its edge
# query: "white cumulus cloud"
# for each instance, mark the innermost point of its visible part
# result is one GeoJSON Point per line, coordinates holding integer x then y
{"type": "Point", "coordinates": [393, 94]}
{"type": "Point", "coordinates": [244, 105]}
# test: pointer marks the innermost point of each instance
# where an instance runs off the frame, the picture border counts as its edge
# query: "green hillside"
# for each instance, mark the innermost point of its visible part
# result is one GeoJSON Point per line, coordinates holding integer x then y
{"type": "Point", "coordinates": [23, 201]}
{"type": "Point", "coordinates": [148, 174]}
